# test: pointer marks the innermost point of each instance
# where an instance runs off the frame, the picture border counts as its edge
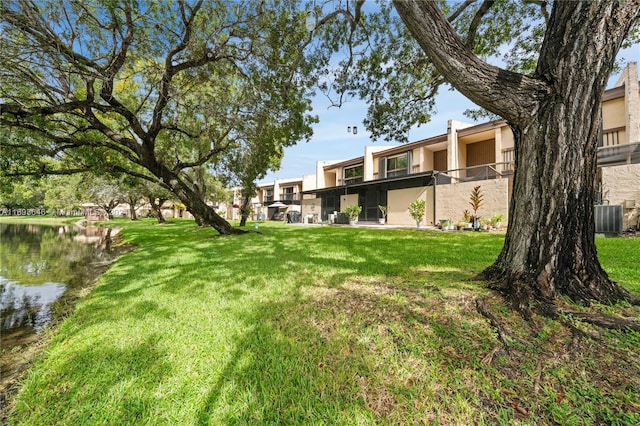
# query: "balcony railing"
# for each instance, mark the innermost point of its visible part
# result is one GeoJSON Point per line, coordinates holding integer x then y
{"type": "Point", "coordinates": [475, 173]}
{"type": "Point", "coordinates": [619, 154]}
{"type": "Point", "coordinates": [295, 196]}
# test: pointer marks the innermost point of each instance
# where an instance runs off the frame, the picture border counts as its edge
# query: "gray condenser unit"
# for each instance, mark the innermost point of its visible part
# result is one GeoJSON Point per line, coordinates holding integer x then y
{"type": "Point", "coordinates": [608, 219]}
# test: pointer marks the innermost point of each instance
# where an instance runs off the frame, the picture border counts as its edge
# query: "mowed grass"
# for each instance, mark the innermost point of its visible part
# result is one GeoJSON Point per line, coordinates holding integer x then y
{"type": "Point", "coordinates": [323, 325]}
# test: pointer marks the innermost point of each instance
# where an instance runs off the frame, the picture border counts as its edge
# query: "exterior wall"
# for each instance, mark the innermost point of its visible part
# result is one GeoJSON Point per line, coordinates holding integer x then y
{"type": "Point", "coordinates": [417, 160]}
{"type": "Point", "coordinates": [347, 200]}
{"type": "Point", "coordinates": [452, 147]}
{"type": "Point", "coordinates": [452, 200]}
{"type": "Point", "coordinates": [276, 190]}
{"type": "Point", "coordinates": [504, 147]}
{"type": "Point", "coordinates": [370, 164]}
{"type": "Point", "coordinates": [456, 153]}
{"type": "Point", "coordinates": [321, 176]}
{"type": "Point", "coordinates": [333, 177]}
{"type": "Point", "coordinates": [497, 148]}
{"type": "Point", "coordinates": [613, 114]}
{"type": "Point", "coordinates": [367, 164]}
{"type": "Point", "coordinates": [310, 206]}
{"type": "Point", "coordinates": [309, 182]}
{"type": "Point", "coordinates": [427, 160]}
{"type": "Point", "coordinates": [506, 137]}
{"type": "Point", "coordinates": [629, 78]}
{"type": "Point", "coordinates": [330, 179]}
{"type": "Point", "coordinates": [262, 195]}
{"type": "Point", "coordinates": [398, 205]}
{"type": "Point", "coordinates": [375, 168]}
{"type": "Point", "coordinates": [622, 183]}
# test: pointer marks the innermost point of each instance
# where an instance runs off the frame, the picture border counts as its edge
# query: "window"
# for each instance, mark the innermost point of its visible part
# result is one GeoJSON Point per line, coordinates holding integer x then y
{"type": "Point", "coordinates": [287, 193]}
{"type": "Point", "coordinates": [353, 174]}
{"type": "Point", "coordinates": [268, 195]}
{"type": "Point", "coordinates": [397, 166]}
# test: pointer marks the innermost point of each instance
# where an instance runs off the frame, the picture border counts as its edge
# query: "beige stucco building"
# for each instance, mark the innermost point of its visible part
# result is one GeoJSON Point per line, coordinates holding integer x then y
{"type": "Point", "coordinates": [444, 169]}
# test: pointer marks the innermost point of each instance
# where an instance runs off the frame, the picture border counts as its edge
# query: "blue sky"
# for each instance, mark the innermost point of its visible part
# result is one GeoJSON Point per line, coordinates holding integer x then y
{"type": "Point", "coordinates": [330, 140]}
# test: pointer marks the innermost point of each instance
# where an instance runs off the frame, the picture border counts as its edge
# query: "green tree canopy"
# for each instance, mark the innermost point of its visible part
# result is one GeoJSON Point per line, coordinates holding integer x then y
{"type": "Point", "coordinates": [150, 89]}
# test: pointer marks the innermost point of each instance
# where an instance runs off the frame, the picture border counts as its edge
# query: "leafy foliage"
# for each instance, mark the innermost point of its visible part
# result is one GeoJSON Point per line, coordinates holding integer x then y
{"type": "Point", "coordinates": [154, 90]}
{"type": "Point", "coordinates": [353, 211]}
{"type": "Point", "coordinates": [417, 209]}
{"type": "Point", "coordinates": [476, 199]}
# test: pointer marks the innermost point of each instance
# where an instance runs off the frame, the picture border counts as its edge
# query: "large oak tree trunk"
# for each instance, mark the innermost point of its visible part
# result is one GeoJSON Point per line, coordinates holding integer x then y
{"type": "Point", "coordinates": [550, 246]}
{"type": "Point", "coordinates": [555, 116]}
{"type": "Point", "coordinates": [550, 243]}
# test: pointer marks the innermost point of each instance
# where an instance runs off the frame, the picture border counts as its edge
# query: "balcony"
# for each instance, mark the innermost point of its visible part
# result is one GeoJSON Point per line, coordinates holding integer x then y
{"type": "Point", "coordinates": [290, 196]}
{"type": "Point", "coordinates": [476, 173]}
{"type": "Point", "coordinates": [619, 154]}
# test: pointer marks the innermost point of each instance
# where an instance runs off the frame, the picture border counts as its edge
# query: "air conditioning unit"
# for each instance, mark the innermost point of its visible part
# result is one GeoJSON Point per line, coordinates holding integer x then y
{"type": "Point", "coordinates": [629, 204]}
{"type": "Point", "coordinates": [608, 219]}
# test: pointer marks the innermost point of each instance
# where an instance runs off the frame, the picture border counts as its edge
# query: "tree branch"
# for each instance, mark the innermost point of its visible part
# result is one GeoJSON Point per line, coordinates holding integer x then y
{"type": "Point", "coordinates": [170, 71]}
{"type": "Point", "coordinates": [18, 110]}
{"type": "Point", "coordinates": [475, 23]}
{"type": "Point", "coordinates": [116, 63]}
{"type": "Point", "coordinates": [513, 96]}
{"type": "Point", "coordinates": [45, 36]}
{"type": "Point", "coordinates": [543, 8]}
{"type": "Point", "coordinates": [205, 158]}
{"type": "Point", "coordinates": [122, 145]}
{"type": "Point", "coordinates": [460, 9]}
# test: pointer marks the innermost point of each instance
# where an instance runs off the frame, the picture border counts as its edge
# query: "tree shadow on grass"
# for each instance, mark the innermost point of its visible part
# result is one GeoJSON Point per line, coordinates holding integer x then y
{"type": "Point", "coordinates": [354, 353]}
{"type": "Point", "coordinates": [329, 326]}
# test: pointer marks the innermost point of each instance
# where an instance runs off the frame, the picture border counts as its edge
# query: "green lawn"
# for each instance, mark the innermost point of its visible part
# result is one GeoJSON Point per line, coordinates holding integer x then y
{"type": "Point", "coordinates": [322, 325]}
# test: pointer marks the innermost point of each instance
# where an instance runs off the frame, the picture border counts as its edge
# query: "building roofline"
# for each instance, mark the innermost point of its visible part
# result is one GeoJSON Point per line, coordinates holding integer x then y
{"type": "Point", "coordinates": [280, 182]}
{"type": "Point", "coordinates": [350, 162]}
{"type": "Point", "coordinates": [482, 127]}
{"type": "Point", "coordinates": [411, 145]}
{"type": "Point", "coordinates": [615, 93]}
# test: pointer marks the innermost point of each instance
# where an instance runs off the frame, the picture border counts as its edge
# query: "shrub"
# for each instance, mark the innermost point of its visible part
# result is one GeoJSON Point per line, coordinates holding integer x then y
{"type": "Point", "coordinates": [353, 211]}
{"type": "Point", "coordinates": [417, 209]}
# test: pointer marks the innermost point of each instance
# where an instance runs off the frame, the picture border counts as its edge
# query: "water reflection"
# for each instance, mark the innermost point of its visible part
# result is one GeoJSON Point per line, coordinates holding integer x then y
{"type": "Point", "coordinates": [38, 266]}
{"type": "Point", "coordinates": [25, 306]}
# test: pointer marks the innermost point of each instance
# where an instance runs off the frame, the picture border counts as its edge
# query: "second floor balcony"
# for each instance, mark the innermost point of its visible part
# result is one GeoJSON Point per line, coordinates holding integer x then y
{"type": "Point", "coordinates": [290, 196]}
{"type": "Point", "coordinates": [619, 154]}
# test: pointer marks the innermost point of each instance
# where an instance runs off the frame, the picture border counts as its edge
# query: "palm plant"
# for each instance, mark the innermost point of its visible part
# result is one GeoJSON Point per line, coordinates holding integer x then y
{"type": "Point", "coordinates": [476, 202]}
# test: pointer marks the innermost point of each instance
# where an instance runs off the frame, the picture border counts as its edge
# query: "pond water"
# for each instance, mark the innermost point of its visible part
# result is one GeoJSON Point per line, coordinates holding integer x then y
{"type": "Point", "coordinates": [43, 269]}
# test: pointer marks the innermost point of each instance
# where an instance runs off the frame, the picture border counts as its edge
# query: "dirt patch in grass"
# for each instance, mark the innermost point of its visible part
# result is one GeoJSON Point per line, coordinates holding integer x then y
{"type": "Point", "coordinates": [433, 357]}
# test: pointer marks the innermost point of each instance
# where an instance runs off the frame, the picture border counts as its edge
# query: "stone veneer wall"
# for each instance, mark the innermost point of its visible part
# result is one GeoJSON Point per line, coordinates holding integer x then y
{"type": "Point", "coordinates": [622, 183]}
{"type": "Point", "coordinates": [452, 200]}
